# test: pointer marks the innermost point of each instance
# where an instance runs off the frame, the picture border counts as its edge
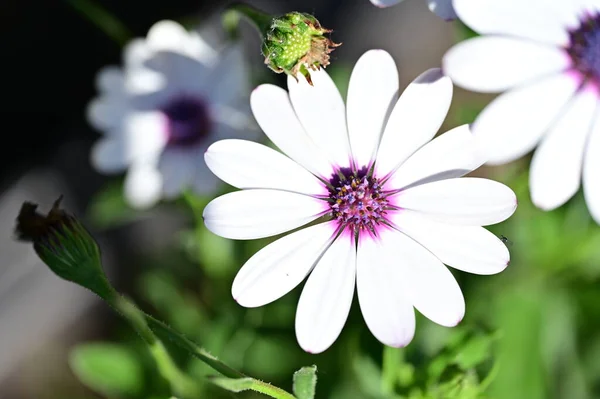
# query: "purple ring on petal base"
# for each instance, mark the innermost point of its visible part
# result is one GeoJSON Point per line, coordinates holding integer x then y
{"type": "Point", "coordinates": [358, 201]}
{"type": "Point", "coordinates": [188, 121]}
{"type": "Point", "coordinates": [584, 47]}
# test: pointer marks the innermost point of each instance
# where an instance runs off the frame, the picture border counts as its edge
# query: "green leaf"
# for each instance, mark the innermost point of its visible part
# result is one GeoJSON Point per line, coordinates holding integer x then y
{"type": "Point", "coordinates": [250, 384]}
{"type": "Point", "coordinates": [305, 382]}
{"type": "Point", "coordinates": [108, 369]}
{"type": "Point", "coordinates": [473, 352]}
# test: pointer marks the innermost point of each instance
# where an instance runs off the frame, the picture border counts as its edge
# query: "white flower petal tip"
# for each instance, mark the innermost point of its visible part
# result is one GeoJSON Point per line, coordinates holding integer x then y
{"type": "Point", "coordinates": [554, 183]}
{"type": "Point", "coordinates": [415, 119]}
{"type": "Point", "coordinates": [387, 311]}
{"type": "Point", "coordinates": [372, 92]}
{"type": "Point", "coordinates": [143, 185]}
{"type": "Point", "coordinates": [450, 155]}
{"type": "Point", "coordinates": [466, 201]}
{"type": "Point", "coordinates": [259, 213]}
{"type": "Point", "coordinates": [280, 266]}
{"type": "Point", "coordinates": [385, 3]}
{"type": "Point", "coordinates": [472, 249]}
{"type": "Point", "coordinates": [325, 301]}
{"type": "Point", "coordinates": [491, 64]}
{"type": "Point", "coordinates": [443, 9]}
{"type": "Point", "coordinates": [245, 164]}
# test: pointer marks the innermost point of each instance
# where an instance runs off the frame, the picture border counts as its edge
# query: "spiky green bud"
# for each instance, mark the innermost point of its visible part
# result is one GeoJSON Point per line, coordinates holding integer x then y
{"type": "Point", "coordinates": [64, 245]}
{"type": "Point", "coordinates": [293, 43]}
{"type": "Point", "coordinates": [296, 43]}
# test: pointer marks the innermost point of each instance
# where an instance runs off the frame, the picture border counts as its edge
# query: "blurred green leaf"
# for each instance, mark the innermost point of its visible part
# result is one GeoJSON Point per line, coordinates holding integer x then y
{"type": "Point", "coordinates": [216, 254]}
{"type": "Point", "coordinates": [368, 376]}
{"type": "Point", "coordinates": [109, 369]}
{"type": "Point", "coordinates": [518, 314]}
{"type": "Point", "coordinates": [162, 290]}
{"type": "Point", "coordinates": [475, 351]}
{"type": "Point", "coordinates": [305, 382]}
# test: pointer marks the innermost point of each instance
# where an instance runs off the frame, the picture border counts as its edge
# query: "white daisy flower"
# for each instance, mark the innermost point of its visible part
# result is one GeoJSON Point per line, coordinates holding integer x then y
{"type": "Point", "coordinates": [442, 8]}
{"type": "Point", "coordinates": [172, 98]}
{"type": "Point", "coordinates": [546, 56]}
{"type": "Point", "coordinates": [396, 206]}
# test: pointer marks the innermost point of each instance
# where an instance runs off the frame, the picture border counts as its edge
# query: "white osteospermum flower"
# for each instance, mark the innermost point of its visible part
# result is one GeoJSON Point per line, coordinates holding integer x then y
{"type": "Point", "coordinates": [397, 207]}
{"type": "Point", "coordinates": [172, 98]}
{"type": "Point", "coordinates": [442, 8]}
{"type": "Point", "coordinates": [546, 56]}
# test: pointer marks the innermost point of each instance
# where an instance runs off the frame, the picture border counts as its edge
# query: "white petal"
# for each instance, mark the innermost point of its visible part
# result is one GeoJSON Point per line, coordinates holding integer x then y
{"type": "Point", "coordinates": [109, 80]}
{"type": "Point", "coordinates": [170, 36]}
{"type": "Point", "coordinates": [513, 123]}
{"type": "Point", "coordinates": [274, 113]}
{"type": "Point", "coordinates": [466, 201]}
{"type": "Point", "coordinates": [591, 172]}
{"type": "Point", "coordinates": [556, 165]}
{"type": "Point", "coordinates": [497, 63]}
{"type": "Point", "coordinates": [108, 156]}
{"type": "Point", "coordinates": [387, 311]}
{"type": "Point", "coordinates": [143, 81]}
{"type": "Point", "coordinates": [142, 138]}
{"type": "Point", "coordinates": [425, 281]}
{"type": "Point", "coordinates": [231, 78]}
{"type": "Point", "coordinates": [540, 20]}
{"type": "Point", "coordinates": [250, 214]}
{"type": "Point", "coordinates": [452, 154]}
{"type": "Point", "coordinates": [107, 112]}
{"type": "Point", "coordinates": [442, 8]}
{"type": "Point", "coordinates": [143, 185]}
{"type": "Point", "coordinates": [471, 249]}
{"type": "Point", "coordinates": [415, 119]}
{"type": "Point", "coordinates": [177, 166]}
{"type": "Point", "coordinates": [135, 53]}
{"type": "Point", "coordinates": [321, 111]}
{"type": "Point", "coordinates": [245, 164]}
{"type": "Point", "coordinates": [327, 296]}
{"type": "Point", "coordinates": [385, 3]}
{"type": "Point", "coordinates": [372, 92]}
{"type": "Point", "coordinates": [279, 267]}
{"type": "Point", "coordinates": [182, 73]}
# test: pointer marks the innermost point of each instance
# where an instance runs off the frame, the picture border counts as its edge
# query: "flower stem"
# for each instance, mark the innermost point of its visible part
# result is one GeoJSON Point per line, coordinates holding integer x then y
{"type": "Point", "coordinates": [180, 383]}
{"type": "Point", "coordinates": [107, 22]}
{"type": "Point", "coordinates": [233, 13]}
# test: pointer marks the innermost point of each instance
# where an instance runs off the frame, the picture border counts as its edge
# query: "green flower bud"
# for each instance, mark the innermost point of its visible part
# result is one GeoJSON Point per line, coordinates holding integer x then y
{"type": "Point", "coordinates": [296, 43]}
{"type": "Point", "coordinates": [293, 43]}
{"type": "Point", "coordinates": [64, 245]}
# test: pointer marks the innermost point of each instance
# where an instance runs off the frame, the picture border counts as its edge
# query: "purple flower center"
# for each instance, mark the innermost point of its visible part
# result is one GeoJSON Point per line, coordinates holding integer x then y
{"type": "Point", "coordinates": [188, 121]}
{"type": "Point", "coordinates": [584, 47]}
{"type": "Point", "coordinates": [357, 200]}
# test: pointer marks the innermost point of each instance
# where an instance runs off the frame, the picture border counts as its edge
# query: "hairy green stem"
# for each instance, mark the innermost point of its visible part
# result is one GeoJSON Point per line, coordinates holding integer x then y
{"type": "Point", "coordinates": [180, 383]}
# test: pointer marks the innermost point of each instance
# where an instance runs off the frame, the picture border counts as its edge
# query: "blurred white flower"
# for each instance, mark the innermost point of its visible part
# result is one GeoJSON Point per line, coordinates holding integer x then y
{"type": "Point", "coordinates": [442, 8]}
{"type": "Point", "coordinates": [396, 206]}
{"type": "Point", "coordinates": [173, 97]}
{"type": "Point", "coordinates": [546, 56]}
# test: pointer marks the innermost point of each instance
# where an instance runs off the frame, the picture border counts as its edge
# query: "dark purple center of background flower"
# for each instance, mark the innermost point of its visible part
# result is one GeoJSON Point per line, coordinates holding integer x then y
{"type": "Point", "coordinates": [584, 47]}
{"type": "Point", "coordinates": [188, 121]}
{"type": "Point", "coordinates": [357, 200]}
